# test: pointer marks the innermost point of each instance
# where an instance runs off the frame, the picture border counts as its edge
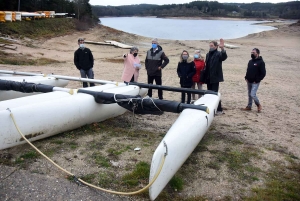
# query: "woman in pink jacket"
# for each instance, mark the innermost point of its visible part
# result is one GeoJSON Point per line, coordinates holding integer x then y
{"type": "Point", "coordinates": [132, 66]}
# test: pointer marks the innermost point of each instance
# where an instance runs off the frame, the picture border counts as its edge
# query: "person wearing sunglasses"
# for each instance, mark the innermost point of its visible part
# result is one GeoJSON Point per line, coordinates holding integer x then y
{"type": "Point", "coordinates": [84, 62]}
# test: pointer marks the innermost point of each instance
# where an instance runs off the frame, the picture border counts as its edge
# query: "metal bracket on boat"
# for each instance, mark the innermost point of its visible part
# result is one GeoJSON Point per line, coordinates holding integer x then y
{"type": "Point", "coordinates": [206, 119]}
{"type": "Point", "coordinates": [165, 145]}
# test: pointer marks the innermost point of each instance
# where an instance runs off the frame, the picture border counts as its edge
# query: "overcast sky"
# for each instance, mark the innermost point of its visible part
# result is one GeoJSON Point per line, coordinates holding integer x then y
{"type": "Point", "coordinates": [160, 2]}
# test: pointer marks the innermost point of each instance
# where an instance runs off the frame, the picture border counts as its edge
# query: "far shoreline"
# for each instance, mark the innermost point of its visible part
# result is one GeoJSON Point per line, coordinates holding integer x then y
{"type": "Point", "coordinates": [206, 18]}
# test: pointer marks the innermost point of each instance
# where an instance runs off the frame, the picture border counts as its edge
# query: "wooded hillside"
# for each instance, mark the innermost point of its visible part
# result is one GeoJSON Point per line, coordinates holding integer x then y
{"type": "Point", "coordinates": [288, 10]}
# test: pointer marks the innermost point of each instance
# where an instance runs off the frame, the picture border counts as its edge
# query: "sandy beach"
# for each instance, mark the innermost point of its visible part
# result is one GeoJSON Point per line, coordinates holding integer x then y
{"type": "Point", "coordinates": [274, 133]}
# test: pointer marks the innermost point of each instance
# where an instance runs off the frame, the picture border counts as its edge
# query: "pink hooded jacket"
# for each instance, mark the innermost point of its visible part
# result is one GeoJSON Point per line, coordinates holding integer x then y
{"type": "Point", "coordinates": [132, 66]}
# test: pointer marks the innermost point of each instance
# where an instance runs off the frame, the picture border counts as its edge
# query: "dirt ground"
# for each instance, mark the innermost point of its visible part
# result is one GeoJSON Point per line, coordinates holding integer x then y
{"type": "Point", "coordinates": [275, 132]}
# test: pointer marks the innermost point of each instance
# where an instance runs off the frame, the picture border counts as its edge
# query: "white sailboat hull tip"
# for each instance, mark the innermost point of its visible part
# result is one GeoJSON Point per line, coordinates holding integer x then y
{"type": "Point", "coordinates": [182, 138]}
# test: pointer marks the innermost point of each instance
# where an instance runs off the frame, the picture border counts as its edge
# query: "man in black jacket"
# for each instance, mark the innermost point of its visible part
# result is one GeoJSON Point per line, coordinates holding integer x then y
{"type": "Point", "coordinates": [155, 61]}
{"type": "Point", "coordinates": [84, 62]}
{"type": "Point", "coordinates": [214, 72]}
{"type": "Point", "coordinates": [256, 72]}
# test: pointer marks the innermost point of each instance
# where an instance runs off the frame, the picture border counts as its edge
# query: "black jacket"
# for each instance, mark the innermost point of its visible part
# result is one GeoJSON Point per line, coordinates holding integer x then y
{"type": "Point", "coordinates": [83, 59]}
{"type": "Point", "coordinates": [186, 70]}
{"type": "Point", "coordinates": [256, 70]}
{"type": "Point", "coordinates": [214, 72]}
{"type": "Point", "coordinates": [155, 60]}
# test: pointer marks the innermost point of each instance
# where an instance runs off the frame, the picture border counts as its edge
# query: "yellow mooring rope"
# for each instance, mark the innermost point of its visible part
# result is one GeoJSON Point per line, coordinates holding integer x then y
{"type": "Point", "coordinates": [80, 180]}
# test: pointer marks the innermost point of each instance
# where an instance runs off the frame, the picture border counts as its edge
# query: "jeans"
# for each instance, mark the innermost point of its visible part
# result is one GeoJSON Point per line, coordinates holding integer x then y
{"type": "Point", "coordinates": [87, 74]}
{"type": "Point", "coordinates": [215, 87]}
{"type": "Point", "coordinates": [158, 82]}
{"type": "Point", "coordinates": [252, 89]}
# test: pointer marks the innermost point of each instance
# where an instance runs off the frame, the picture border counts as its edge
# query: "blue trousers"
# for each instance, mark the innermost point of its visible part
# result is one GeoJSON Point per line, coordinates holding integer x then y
{"type": "Point", "coordinates": [252, 89]}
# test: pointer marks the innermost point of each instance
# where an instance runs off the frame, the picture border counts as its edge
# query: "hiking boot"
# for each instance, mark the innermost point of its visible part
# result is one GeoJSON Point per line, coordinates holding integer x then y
{"type": "Point", "coordinates": [259, 108]}
{"type": "Point", "coordinates": [246, 108]}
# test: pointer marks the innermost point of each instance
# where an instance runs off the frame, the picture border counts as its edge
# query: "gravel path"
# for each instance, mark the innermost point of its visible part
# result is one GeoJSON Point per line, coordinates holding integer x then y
{"type": "Point", "coordinates": [22, 185]}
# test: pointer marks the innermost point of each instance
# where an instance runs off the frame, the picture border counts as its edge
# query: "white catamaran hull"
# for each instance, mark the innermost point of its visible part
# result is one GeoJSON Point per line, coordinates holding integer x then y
{"type": "Point", "coordinates": [182, 138]}
{"type": "Point", "coordinates": [46, 118]}
{"type": "Point", "coordinates": [7, 95]}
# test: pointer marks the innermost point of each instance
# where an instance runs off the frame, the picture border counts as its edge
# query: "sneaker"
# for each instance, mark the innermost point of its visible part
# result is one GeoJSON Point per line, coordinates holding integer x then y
{"type": "Point", "coordinates": [259, 108]}
{"type": "Point", "coordinates": [246, 108]}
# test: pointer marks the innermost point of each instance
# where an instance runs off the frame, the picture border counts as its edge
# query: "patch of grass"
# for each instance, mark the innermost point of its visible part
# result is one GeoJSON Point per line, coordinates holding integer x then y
{"type": "Point", "coordinates": [200, 148]}
{"type": "Point", "coordinates": [49, 152]}
{"type": "Point", "coordinates": [214, 165]}
{"type": "Point", "coordinates": [118, 150]}
{"type": "Point", "coordinates": [57, 141]}
{"type": "Point", "coordinates": [72, 144]}
{"type": "Point", "coordinates": [176, 183]}
{"type": "Point", "coordinates": [99, 159]}
{"type": "Point", "coordinates": [282, 183]}
{"type": "Point", "coordinates": [141, 172]}
{"type": "Point", "coordinates": [39, 28]}
{"type": "Point", "coordinates": [245, 128]}
{"type": "Point", "coordinates": [114, 152]}
{"type": "Point", "coordinates": [88, 178]}
{"type": "Point", "coordinates": [107, 179]}
{"type": "Point", "coordinates": [237, 161]}
{"type": "Point", "coordinates": [170, 196]}
{"type": "Point", "coordinates": [27, 156]}
{"type": "Point", "coordinates": [13, 59]}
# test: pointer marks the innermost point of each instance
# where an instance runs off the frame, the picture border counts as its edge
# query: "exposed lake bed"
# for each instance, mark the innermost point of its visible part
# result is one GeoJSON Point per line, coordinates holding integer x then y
{"type": "Point", "coordinates": [241, 151]}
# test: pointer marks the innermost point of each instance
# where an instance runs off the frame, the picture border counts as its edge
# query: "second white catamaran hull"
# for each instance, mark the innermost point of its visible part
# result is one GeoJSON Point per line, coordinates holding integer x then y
{"type": "Point", "coordinates": [7, 95]}
{"type": "Point", "coordinates": [182, 138]}
{"type": "Point", "coordinates": [41, 118]}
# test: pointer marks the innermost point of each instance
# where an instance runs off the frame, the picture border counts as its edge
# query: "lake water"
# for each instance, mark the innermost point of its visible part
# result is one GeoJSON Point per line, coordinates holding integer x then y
{"type": "Point", "coordinates": [185, 29]}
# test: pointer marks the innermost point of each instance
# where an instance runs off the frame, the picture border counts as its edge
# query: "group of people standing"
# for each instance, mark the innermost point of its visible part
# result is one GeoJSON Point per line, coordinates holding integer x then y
{"type": "Point", "coordinates": [189, 69]}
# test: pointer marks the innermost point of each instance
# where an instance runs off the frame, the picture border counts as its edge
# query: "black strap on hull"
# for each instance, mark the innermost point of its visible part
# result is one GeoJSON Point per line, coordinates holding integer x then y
{"type": "Point", "coordinates": [140, 105]}
{"type": "Point", "coordinates": [24, 87]}
{"type": "Point", "coordinates": [175, 89]}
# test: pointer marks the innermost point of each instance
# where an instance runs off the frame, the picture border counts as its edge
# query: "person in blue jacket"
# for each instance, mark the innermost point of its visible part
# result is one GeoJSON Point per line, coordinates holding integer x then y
{"type": "Point", "coordinates": [185, 70]}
